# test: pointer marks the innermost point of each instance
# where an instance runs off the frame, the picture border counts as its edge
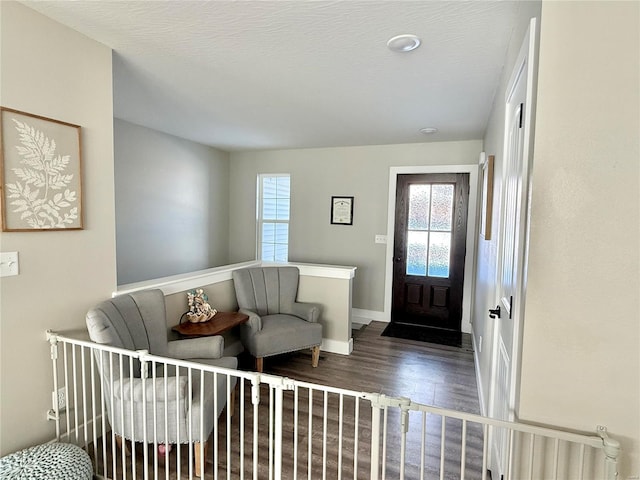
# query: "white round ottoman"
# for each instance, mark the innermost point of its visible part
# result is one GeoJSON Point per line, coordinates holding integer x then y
{"type": "Point", "coordinates": [53, 461]}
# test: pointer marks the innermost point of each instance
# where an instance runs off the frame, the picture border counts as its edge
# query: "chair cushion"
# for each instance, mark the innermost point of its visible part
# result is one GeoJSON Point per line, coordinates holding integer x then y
{"type": "Point", "coordinates": [284, 333]}
{"type": "Point", "coordinates": [177, 430]}
{"type": "Point", "coordinates": [158, 390]}
{"type": "Point", "coordinates": [223, 362]}
{"type": "Point", "coordinates": [266, 291]}
{"type": "Point", "coordinates": [135, 321]}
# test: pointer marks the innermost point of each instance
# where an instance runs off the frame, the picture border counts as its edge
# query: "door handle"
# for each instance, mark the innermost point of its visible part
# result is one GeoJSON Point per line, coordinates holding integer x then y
{"type": "Point", "coordinates": [494, 312]}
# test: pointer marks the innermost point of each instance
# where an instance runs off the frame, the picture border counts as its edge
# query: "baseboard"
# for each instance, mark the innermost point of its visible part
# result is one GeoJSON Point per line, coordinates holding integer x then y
{"type": "Point", "coordinates": [77, 434]}
{"type": "Point", "coordinates": [476, 361]}
{"type": "Point", "coordinates": [337, 346]}
{"type": "Point", "coordinates": [370, 315]}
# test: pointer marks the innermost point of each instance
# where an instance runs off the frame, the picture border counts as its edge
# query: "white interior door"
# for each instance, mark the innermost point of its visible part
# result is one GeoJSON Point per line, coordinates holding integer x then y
{"type": "Point", "coordinates": [511, 272]}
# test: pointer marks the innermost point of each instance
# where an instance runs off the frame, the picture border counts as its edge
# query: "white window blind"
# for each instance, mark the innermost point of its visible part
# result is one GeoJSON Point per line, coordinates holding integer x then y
{"type": "Point", "coordinates": [273, 217]}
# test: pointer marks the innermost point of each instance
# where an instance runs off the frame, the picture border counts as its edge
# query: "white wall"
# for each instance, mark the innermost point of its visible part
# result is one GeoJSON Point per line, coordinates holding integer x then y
{"type": "Point", "coordinates": [171, 204]}
{"type": "Point", "coordinates": [50, 70]}
{"type": "Point", "coordinates": [581, 361]}
{"type": "Point", "coordinates": [316, 175]}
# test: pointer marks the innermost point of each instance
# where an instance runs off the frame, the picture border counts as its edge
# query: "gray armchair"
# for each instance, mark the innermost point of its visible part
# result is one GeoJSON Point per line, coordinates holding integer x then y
{"type": "Point", "coordinates": [277, 322]}
{"type": "Point", "coordinates": [137, 321]}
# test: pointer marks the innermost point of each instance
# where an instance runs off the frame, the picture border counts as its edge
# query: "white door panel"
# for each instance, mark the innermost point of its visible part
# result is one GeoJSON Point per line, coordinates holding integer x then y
{"type": "Point", "coordinates": [511, 272]}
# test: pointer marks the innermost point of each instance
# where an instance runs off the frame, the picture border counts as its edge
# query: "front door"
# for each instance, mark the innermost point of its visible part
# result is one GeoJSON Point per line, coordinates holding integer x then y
{"type": "Point", "coordinates": [429, 249]}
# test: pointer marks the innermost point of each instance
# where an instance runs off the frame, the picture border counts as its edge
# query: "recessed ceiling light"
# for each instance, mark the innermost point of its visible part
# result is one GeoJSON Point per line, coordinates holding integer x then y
{"type": "Point", "coordinates": [403, 43]}
{"type": "Point", "coordinates": [428, 130]}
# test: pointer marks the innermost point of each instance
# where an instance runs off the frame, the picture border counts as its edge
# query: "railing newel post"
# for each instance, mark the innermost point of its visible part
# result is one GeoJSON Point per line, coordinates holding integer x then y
{"type": "Point", "coordinates": [611, 448]}
{"type": "Point", "coordinates": [54, 412]}
{"type": "Point", "coordinates": [377, 400]}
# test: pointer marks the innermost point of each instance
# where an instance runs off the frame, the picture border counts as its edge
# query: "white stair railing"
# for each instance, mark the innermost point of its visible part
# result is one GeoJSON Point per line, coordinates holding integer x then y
{"type": "Point", "coordinates": [459, 446]}
{"type": "Point", "coordinates": [280, 428]}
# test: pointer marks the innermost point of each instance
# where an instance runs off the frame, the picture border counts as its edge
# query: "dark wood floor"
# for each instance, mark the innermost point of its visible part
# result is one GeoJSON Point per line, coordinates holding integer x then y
{"type": "Point", "coordinates": [429, 374]}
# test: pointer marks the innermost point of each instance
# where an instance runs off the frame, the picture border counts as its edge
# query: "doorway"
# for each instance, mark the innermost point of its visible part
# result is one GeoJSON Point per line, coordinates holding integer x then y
{"type": "Point", "coordinates": [469, 262]}
{"type": "Point", "coordinates": [429, 249]}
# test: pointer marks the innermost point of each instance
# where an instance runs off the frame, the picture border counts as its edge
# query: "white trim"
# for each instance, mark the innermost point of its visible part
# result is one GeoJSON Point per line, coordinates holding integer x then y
{"type": "Point", "coordinates": [337, 346]}
{"type": "Point", "coordinates": [78, 432]}
{"type": "Point", "coordinates": [481, 398]}
{"type": "Point", "coordinates": [470, 256]}
{"type": "Point", "coordinates": [319, 270]}
{"type": "Point", "coordinates": [369, 314]}
{"type": "Point", "coordinates": [188, 281]}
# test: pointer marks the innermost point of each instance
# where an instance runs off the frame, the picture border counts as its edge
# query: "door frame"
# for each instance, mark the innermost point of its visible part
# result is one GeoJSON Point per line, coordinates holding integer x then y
{"type": "Point", "coordinates": [472, 227]}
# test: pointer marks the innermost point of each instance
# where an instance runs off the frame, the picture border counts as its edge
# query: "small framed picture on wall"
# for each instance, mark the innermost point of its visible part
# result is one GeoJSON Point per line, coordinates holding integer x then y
{"type": "Point", "coordinates": [486, 163]}
{"type": "Point", "coordinates": [342, 210]}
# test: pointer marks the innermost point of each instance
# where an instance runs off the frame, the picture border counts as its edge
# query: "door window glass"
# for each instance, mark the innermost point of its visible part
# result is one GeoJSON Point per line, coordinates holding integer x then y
{"type": "Point", "coordinates": [439, 254]}
{"type": "Point", "coordinates": [429, 231]}
{"type": "Point", "coordinates": [417, 253]}
{"type": "Point", "coordinates": [442, 208]}
{"type": "Point", "coordinates": [419, 200]}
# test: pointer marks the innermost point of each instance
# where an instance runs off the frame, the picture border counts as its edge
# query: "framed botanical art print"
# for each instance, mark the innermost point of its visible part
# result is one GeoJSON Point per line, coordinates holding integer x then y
{"type": "Point", "coordinates": [40, 173]}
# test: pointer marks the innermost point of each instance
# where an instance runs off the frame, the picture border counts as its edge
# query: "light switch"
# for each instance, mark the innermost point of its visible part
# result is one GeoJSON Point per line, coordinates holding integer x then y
{"type": "Point", "coordinates": [9, 264]}
{"type": "Point", "coordinates": [381, 239]}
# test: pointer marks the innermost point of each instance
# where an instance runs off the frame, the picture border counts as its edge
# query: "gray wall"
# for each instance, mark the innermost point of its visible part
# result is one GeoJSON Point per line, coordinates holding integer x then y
{"type": "Point", "coordinates": [316, 175]}
{"type": "Point", "coordinates": [171, 204]}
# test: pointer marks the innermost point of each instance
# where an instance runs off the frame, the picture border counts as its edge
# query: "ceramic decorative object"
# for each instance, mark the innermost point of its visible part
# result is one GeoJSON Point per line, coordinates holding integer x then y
{"type": "Point", "coordinates": [199, 308]}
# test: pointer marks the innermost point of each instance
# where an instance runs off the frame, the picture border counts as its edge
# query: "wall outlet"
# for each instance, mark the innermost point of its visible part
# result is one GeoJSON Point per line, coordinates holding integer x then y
{"type": "Point", "coordinates": [381, 239]}
{"type": "Point", "coordinates": [60, 399]}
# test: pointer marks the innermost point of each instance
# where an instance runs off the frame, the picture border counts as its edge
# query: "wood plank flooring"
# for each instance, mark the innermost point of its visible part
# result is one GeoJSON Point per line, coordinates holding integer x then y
{"type": "Point", "coordinates": [429, 374]}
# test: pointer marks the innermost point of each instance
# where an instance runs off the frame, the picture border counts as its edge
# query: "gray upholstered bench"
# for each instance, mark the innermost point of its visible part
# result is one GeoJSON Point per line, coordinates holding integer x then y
{"type": "Point", "coordinates": [52, 461]}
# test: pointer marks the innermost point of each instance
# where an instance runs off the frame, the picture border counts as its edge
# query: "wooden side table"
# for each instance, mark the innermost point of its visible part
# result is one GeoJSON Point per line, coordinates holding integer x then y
{"type": "Point", "coordinates": [219, 324]}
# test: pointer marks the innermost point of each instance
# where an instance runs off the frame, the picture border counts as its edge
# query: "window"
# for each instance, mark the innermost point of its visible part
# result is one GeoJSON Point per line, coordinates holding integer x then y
{"type": "Point", "coordinates": [273, 217]}
{"type": "Point", "coordinates": [430, 228]}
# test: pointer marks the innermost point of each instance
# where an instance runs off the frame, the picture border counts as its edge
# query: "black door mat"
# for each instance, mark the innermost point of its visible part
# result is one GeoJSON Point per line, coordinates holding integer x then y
{"type": "Point", "coordinates": [429, 335]}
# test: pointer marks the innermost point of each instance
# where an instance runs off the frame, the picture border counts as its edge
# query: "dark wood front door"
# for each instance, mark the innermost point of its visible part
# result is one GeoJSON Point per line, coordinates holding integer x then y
{"type": "Point", "coordinates": [429, 249]}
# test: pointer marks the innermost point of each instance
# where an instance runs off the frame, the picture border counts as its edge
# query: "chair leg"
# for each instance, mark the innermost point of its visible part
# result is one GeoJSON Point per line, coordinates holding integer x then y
{"type": "Point", "coordinates": [122, 445]}
{"type": "Point", "coordinates": [199, 457]}
{"type": "Point", "coordinates": [315, 356]}
{"type": "Point", "coordinates": [259, 364]}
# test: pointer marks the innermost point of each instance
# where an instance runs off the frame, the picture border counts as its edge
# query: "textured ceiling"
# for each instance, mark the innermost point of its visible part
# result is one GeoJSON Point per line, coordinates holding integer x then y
{"type": "Point", "coordinates": [292, 74]}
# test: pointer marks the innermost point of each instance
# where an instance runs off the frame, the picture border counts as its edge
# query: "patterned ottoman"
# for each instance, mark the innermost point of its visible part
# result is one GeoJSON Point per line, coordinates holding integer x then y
{"type": "Point", "coordinates": [53, 461]}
